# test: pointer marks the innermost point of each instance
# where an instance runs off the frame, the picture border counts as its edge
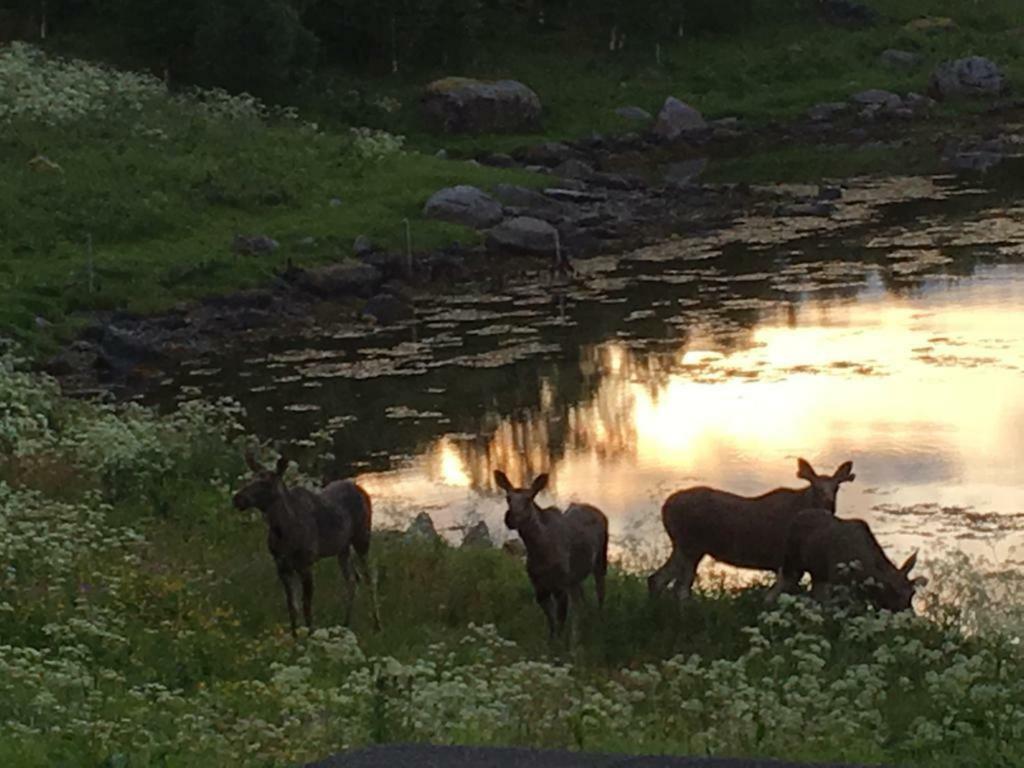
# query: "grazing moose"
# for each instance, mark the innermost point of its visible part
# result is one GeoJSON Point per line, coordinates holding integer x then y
{"type": "Point", "coordinates": [844, 552]}
{"type": "Point", "coordinates": [304, 526]}
{"type": "Point", "coordinates": [748, 532]}
{"type": "Point", "coordinates": [562, 548]}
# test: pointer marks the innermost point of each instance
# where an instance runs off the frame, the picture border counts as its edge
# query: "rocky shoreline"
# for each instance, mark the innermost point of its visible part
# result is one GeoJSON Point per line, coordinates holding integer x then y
{"type": "Point", "coordinates": [606, 194]}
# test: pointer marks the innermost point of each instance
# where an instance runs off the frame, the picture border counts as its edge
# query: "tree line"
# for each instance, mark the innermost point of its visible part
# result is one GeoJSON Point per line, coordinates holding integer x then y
{"type": "Point", "coordinates": [260, 45]}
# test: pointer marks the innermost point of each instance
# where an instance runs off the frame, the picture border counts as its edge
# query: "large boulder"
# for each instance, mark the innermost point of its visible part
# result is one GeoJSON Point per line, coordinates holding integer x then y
{"type": "Point", "coordinates": [524, 234]}
{"type": "Point", "coordinates": [463, 204]}
{"type": "Point", "coordinates": [677, 118]}
{"type": "Point", "coordinates": [464, 105]}
{"type": "Point", "coordinates": [973, 76]}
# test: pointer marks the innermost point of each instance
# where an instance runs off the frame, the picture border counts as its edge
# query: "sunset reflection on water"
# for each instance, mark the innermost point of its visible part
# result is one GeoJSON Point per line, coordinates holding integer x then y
{"type": "Point", "coordinates": [925, 393]}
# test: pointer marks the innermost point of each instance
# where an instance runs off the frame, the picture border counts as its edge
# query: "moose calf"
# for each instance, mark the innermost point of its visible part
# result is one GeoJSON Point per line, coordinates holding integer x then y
{"type": "Point", "coordinates": [748, 532]}
{"type": "Point", "coordinates": [304, 526]}
{"type": "Point", "coordinates": [562, 549]}
{"type": "Point", "coordinates": [844, 552]}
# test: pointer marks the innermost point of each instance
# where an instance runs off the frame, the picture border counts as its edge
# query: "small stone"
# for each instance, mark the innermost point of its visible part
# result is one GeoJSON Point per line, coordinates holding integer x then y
{"type": "Point", "coordinates": [362, 247]}
{"type": "Point", "coordinates": [634, 114]}
{"type": "Point", "coordinates": [897, 59]}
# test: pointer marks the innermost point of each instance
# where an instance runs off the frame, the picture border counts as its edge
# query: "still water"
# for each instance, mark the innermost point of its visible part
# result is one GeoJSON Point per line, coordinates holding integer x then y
{"type": "Point", "coordinates": [891, 334]}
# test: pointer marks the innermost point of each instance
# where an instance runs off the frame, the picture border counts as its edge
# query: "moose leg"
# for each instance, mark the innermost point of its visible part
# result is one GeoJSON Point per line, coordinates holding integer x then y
{"type": "Point", "coordinates": [686, 572]}
{"type": "Point", "coordinates": [821, 590]}
{"type": "Point", "coordinates": [285, 575]}
{"type": "Point", "coordinates": [546, 601]}
{"type": "Point", "coordinates": [562, 599]}
{"type": "Point", "coordinates": [350, 584]}
{"type": "Point", "coordinates": [784, 582]}
{"type": "Point", "coordinates": [658, 580]}
{"type": "Point", "coordinates": [364, 562]}
{"type": "Point", "coordinates": [307, 597]}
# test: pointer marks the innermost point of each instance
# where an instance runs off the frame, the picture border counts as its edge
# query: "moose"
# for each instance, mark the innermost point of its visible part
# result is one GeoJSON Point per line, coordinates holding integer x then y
{"type": "Point", "coordinates": [747, 532]}
{"type": "Point", "coordinates": [562, 548]}
{"type": "Point", "coordinates": [846, 552]}
{"type": "Point", "coordinates": [304, 526]}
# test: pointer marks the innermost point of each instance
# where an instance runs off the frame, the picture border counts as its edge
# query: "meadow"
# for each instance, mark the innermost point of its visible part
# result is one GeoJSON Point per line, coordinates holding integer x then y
{"type": "Point", "coordinates": [141, 623]}
{"type": "Point", "coordinates": [117, 193]}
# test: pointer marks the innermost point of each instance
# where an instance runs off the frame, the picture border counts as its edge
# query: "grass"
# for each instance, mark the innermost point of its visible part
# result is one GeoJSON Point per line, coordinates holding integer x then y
{"type": "Point", "coordinates": [159, 188]}
{"type": "Point", "coordinates": [143, 624]}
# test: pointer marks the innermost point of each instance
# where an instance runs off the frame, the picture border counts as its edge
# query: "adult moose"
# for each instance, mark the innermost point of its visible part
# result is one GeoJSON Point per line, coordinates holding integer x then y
{"type": "Point", "coordinates": [304, 526]}
{"type": "Point", "coordinates": [562, 548]}
{"type": "Point", "coordinates": [748, 532]}
{"type": "Point", "coordinates": [844, 552]}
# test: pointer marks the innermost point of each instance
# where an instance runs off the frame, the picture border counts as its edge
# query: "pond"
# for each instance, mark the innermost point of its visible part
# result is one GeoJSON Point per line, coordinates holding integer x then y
{"type": "Point", "coordinates": [890, 333]}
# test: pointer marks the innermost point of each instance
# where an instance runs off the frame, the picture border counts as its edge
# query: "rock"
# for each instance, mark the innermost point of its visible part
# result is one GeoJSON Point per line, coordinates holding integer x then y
{"type": "Point", "coordinates": [441, 154]}
{"type": "Point", "coordinates": [575, 169]}
{"type": "Point", "coordinates": [464, 105]}
{"type": "Point", "coordinates": [388, 310]}
{"type": "Point", "coordinates": [930, 24]}
{"type": "Point", "coordinates": [621, 181]}
{"type": "Point", "coordinates": [830, 193]}
{"type": "Point", "coordinates": [575, 196]}
{"type": "Point", "coordinates": [548, 153]}
{"type": "Point", "coordinates": [497, 160]}
{"type": "Point", "coordinates": [362, 247]}
{"type": "Point", "coordinates": [917, 101]}
{"type": "Point", "coordinates": [525, 234]}
{"type": "Point", "coordinates": [254, 244]}
{"type": "Point", "coordinates": [684, 172]}
{"type": "Point", "coordinates": [477, 536]}
{"type": "Point", "coordinates": [464, 205]}
{"type": "Point", "coordinates": [847, 13]}
{"type": "Point", "coordinates": [126, 345]}
{"type": "Point", "coordinates": [336, 280]}
{"type": "Point", "coordinates": [875, 97]}
{"type": "Point", "coordinates": [422, 529]}
{"type": "Point", "coordinates": [79, 356]}
{"type": "Point", "coordinates": [634, 114]}
{"type": "Point", "coordinates": [978, 160]}
{"type": "Point", "coordinates": [897, 59]}
{"type": "Point", "coordinates": [827, 110]}
{"type": "Point", "coordinates": [521, 197]}
{"type": "Point", "coordinates": [970, 77]}
{"type": "Point", "coordinates": [676, 119]}
{"type": "Point", "coordinates": [514, 547]}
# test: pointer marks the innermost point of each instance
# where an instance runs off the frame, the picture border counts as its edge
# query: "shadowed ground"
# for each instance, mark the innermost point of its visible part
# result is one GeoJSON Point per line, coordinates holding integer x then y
{"type": "Point", "coordinates": [426, 756]}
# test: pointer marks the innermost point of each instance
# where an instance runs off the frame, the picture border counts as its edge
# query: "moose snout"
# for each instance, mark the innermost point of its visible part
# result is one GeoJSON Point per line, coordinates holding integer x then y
{"type": "Point", "coordinates": [239, 502]}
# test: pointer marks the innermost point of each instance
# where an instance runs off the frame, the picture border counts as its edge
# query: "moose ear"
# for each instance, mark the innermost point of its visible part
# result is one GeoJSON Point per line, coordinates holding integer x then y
{"type": "Point", "coordinates": [539, 484]}
{"type": "Point", "coordinates": [844, 474]}
{"type": "Point", "coordinates": [251, 461]}
{"type": "Point", "coordinates": [282, 466]}
{"type": "Point", "coordinates": [908, 564]}
{"type": "Point", "coordinates": [501, 480]}
{"type": "Point", "coordinates": [804, 471]}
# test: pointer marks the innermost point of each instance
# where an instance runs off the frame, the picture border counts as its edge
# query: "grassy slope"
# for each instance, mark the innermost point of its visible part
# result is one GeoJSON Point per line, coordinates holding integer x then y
{"type": "Point", "coordinates": [175, 645]}
{"type": "Point", "coordinates": [161, 213]}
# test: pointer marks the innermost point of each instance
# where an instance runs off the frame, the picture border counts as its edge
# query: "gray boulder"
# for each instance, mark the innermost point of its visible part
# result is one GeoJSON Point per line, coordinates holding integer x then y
{"type": "Point", "coordinates": [362, 247]}
{"type": "Point", "coordinates": [970, 77]}
{"type": "Point", "coordinates": [677, 118]}
{"type": "Point", "coordinates": [464, 105]}
{"type": "Point", "coordinates": [463, 204]}
{"type": "Point", "coordinates": [548, 153]}
{"type": "Point", "coordinates": [422, 529]}
{"type": "Point", "coordinates": [524, 234]}
{"type": "Point", "coordinates": [477, 536]}
{"type": "Point", "coordinates": [575, 169]}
